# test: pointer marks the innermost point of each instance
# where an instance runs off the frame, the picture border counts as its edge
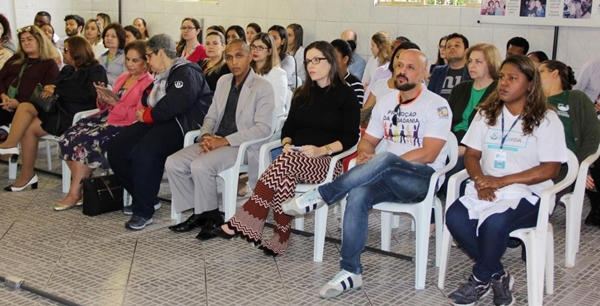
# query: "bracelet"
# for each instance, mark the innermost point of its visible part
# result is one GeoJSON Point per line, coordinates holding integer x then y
{"type": "Point", "coordinates": [286, 143]}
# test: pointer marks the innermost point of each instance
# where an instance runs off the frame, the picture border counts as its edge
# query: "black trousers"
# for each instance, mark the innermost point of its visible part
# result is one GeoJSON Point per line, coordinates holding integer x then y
{"type": "Point", "coordinates": [594, 195]}
{"type": "Point", "coordinates": [137, 156]}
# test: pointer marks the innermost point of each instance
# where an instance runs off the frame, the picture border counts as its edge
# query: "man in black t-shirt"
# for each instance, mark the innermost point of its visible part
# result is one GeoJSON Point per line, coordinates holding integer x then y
{"type": "Point", "coordinates": [444, 78]}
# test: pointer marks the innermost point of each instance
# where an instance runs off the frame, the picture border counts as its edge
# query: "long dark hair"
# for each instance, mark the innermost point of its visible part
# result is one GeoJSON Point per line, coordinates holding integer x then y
{"type": "Point", "coordinates": [7, 35]}
{"type": "Point", "coordinates": [181, 44]}
{"type": "Point", "coordinates": [440, 60]}
{"type": "Point", "coordinates": [238, 30]}
{"type": "Point", "coordinates": [303, 93]}
{"type": "Point", "coordinates": [283, 34]}
{"type": "Point", "coordinates": [272, 59]}
{"type": "Point", "coordinates": [298, 36]}
{"type": "Point", "coordinates": [536, 105]}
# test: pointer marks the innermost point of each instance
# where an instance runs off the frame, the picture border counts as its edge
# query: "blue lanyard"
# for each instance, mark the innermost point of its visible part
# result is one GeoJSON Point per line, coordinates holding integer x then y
{"type": "Point", "coordinates": [511, 127]}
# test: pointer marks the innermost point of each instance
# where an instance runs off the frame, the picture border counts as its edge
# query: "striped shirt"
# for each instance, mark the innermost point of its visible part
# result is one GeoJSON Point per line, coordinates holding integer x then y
{"type": "Point", "coordinates": [357, 85]}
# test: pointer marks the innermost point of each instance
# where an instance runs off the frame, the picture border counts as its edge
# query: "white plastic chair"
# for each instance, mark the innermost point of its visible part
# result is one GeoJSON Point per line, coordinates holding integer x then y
{"type": "Point", "coordinates": [421, 214]}
{"type": "Point", "coordinates": [321, 213]}
{"type": "Point", "coordinates": [230, 176]}
{"type": "Point", "coordinates": [66, 172]}
{"type": "Point", "coordinates": [574, 208]}
{"type": "Point", "coordinates": [537, 240]}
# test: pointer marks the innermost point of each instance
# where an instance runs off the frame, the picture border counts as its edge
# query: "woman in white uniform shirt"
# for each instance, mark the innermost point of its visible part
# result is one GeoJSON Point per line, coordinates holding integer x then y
{"type": "Point", "coordinates": [295, 35]}
{"type": "Point", "coordinates": [515, 146]}
{"type": "Point", "coordinates": [265, 63]}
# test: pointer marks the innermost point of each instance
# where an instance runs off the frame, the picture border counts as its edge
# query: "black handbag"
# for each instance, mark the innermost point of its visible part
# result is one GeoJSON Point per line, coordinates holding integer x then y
{"type": "Point", "coordinates": [48, 105]}
{"type": "Point", "coordinates": [102, 194]}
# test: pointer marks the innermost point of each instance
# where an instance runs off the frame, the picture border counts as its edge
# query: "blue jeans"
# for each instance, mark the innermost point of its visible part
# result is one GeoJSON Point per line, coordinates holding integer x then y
{"type": "Point", "coordinates": [487, 248]}
{"type": "Point", "coordinates": [385, 178]}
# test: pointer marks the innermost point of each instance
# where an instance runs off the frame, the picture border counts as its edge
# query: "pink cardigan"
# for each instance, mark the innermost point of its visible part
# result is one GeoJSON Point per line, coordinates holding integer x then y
{"type": "Point", "coordinates": [123, 113]}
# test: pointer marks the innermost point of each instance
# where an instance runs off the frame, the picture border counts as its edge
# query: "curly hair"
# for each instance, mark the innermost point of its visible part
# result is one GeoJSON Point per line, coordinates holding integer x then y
{"type": "Point", "coordinates": [536, 105]}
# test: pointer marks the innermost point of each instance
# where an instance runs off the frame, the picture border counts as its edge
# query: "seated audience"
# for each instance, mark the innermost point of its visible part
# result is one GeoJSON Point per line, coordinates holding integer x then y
{"type": "Point", "coordinates": [251, 30]}
{"type": "Point", "coordinates": [517, 46]}
{"type": "Point", "coordinates": [193, 171]}
{"type": "Point", "coordinates": [74, 25]}
{"type": "Point", "coordinates": [408, 165]}
{"type": "Point", "coordinates": [93, 33]}
{"type": "Point", "coordinates": [538, 57]}
{"type": "Point", "coordinates": [41, 18]}
{"type": "Point", "coordinates": [384, 87]}
{"type": "Point", "coordinates": [383, 72]}
{"type": "Point", "coordinates": [323, 120]}
{"type": "Point", "coordinates": [235, 32]}
{"type": "Point", "coordinates": [444, 78]}
{"type": "Point", "coordinates": [588, 80]}
{"type": "Point", "coordinates": [5, 36]}
{"type": "Point", "coordinates": [507, 177]}
{"type": "Point", "coordinates": [34, 63]}
{"type": "Point", "coordinates": [177, 104]}
{"type": "Point", "coordinates": [75, 89]}
{"type": "Point", "coordinates": [48, 30]}
{"type": "Point", "coordinates": [581, 126]}
{"type": "Point", "coordinates": [380, 48]}
{"type": "Point", "coordinates": [344, 57]}
{"type": "Point", "coordinates": [265, 62]}
{"type": "Point", "coordinates": [189, 46]}
{"type": "Point", "coordinates": [214, 67]}
{"type": "Point", "coordinates": [104, 19]}
{"type": "Point", "coordinates": [295, 37]}
{"type": "Point", "coordinates": [357, 66]}
{"type": "Point", "coordinates": [286, 61]}
{"type": "Point", "coordinates": [140, 24]}
{"type": "Point", "coordinates": [131, 33]}
{"type": "Point", "coordinates": [113, 60]}
{"type": "Point", "coordinates": [441, 56]}
{"type": "Point", "coordinates": [83, 146]}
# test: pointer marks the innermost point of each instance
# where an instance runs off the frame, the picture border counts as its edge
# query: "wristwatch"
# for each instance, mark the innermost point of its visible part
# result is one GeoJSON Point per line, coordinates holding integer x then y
{"type": "Point", "coordinates": [329, 151]}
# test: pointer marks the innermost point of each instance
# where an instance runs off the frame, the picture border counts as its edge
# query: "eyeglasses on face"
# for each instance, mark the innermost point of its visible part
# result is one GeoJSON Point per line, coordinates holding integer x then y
{"type": "Point", "coordinates": [187, 28]}
{"type": "Point", "coordinates": [151, 53]}
{"type": "Point", "coordinates": [315, 60]}
{"type": "Point", "coordinates": [259, 48]}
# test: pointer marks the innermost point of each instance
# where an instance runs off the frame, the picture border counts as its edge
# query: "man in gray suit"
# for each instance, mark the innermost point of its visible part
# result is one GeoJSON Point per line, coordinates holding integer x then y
{"type": "Point", "coordinates": [241, 110]}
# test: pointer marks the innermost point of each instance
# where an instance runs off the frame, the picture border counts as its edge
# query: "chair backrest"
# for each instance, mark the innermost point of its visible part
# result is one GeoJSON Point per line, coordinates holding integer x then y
{"type": "Point", "coordinates": [579, 190]}
{"type": "Point", "coordinates": [288, 101]}
{"type": "Point", "coordinates": [547, 197]}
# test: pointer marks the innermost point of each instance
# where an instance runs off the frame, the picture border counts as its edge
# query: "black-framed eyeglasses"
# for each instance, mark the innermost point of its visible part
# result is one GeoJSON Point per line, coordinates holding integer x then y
{"type": "Point", "coordinates": [187, 28]}
{"type": "Point", "coordinates": [398, 110]}
{"type": "Point", "coordinates": [24, 29]}
{"type": "Point", "coordinates": [259, 48]}
{"type": "Point", "coordinates": [314, 60]}
{"type": "Point", "coordinates": [151, 53]}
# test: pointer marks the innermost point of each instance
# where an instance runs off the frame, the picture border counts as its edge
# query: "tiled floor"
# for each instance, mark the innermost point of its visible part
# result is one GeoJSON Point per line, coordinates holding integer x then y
{"type": "Point", "coordinates": [96, 261]}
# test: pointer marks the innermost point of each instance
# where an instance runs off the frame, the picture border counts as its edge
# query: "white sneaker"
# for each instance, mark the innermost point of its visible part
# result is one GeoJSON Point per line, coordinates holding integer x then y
{"type": "Point", "coordinates": [303, 204]}
{"type": "Point", "coordinates": [342, 282]}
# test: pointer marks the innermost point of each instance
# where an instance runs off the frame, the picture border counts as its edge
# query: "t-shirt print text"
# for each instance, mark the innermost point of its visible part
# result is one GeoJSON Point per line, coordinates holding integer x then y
{"type": "Point", "coordinates": [515, 140]}
{"type": "Point", "coordinates": [405, 131]}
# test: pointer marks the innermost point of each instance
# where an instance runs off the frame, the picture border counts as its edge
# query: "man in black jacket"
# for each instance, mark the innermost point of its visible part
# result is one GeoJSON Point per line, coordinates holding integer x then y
{"type": "Point", "coordinates": [175, 104]}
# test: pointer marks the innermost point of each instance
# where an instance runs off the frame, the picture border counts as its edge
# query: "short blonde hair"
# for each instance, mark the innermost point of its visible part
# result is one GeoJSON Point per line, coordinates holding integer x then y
{"type": "Point", "coordinates": [492, 57]}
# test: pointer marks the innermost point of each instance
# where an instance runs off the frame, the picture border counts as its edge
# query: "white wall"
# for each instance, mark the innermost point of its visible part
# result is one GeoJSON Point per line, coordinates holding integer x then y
{"type": "Point", "coordinates": [325, 20]}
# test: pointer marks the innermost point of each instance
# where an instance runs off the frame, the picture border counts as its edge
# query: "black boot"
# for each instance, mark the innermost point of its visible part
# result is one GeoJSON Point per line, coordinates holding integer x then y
{"type": "Point", "coordinates": [594, 217]}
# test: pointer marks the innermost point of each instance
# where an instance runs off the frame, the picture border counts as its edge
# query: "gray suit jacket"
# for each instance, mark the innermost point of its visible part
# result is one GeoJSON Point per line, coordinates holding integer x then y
{"type": "Point", "coordinates": [253, 116]}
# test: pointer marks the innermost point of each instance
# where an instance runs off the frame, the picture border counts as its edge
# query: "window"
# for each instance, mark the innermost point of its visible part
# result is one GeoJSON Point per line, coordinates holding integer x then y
{"type": "Point", "coordinates": [429, 2]}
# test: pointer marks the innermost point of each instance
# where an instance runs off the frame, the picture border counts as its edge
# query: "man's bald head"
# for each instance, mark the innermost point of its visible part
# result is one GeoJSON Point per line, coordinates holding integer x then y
{"type": "Point", "coordinates": [349, 35]}
{"type": "Point", "coordinates": [410, 69]}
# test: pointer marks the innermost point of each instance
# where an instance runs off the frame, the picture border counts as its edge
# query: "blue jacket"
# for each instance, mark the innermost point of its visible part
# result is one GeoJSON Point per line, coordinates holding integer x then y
{"type": "Point", "coordinates": [436, 81]}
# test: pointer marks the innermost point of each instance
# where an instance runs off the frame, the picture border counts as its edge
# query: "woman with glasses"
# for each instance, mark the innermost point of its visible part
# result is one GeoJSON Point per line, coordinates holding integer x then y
{"type": "Point", "coordinates": [34, 63]}
{"type": "Point", "coordinates": [515, 146]}
{"type": "Point", "coordinates": [581, 127]}
{"type": "Point", "coordinates": [323, 121]}
{"type": "Point", "coordinates": [214, 66]}
{"type": "Point", "coordinates": [286, 61]}
{"type": "Point", "coordinates": [74, 87]}
{"type": "Point", "coordinates": [189, 46]}
{"type": "Point", "coordinates": [441, 54]}
{"type": "Point", "coordinates": [113, 60]}
{"type": "Point", "coordinates": [93, 34]}
{"type": "Point", "coordinates": [175, 105]}
{"type": "Point", "coordinates": [265, 63]}
{"type": "Point", "coordinates": [83, 146]}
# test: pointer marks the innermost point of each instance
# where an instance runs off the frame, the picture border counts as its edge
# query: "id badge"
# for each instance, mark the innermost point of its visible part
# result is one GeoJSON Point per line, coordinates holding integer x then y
{"type": "Point", "coordinates": [500, 160]}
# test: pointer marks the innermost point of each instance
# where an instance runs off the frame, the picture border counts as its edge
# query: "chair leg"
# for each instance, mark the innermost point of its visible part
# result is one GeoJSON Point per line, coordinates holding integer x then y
{"type": "Point", "coordinates": [550, 261]}
{"type": "Point", "coordinates": [573, 231]}
{"type": "Point", "coordinates": [175, 215]}
{"type": "Point", "coordinates": [439, 229]}
{"type": "Point", "coordinates": [320, 230]}
{"type": "Point", "coordinates": [229, 192]}
{"type": "Point", "coordinates": [386, 230]}
{"type": "Point", "coordinates": [421, 251]}
{"type": "Point", "coordinates": [48, 154]}
{"type": "Point", "coordinates": [535, 281]}
{"type": "Point", "coordinates": [66, 177]}
{"type": "Point", "coordinates": [299, 223]}
{"type": "Point", "coordinates": [12, 169]}
{"type": "Point", "coordinates": [396, 222]}
{"type": "Point", "coordinates": [445, 256]}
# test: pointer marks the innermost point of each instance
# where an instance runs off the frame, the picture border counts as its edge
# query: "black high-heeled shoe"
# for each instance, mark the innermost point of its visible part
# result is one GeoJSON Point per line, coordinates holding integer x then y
{"type": "Point", "coordinates": [268, 251]}
{"type": "Point", "coordinates": [219, 232]}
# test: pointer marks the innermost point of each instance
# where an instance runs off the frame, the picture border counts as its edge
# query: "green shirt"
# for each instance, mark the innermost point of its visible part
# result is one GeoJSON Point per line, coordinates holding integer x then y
{"type": "Point", "coordinates": [476, 95]}
{"type": "Point", "coordinates": [561, 103]}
